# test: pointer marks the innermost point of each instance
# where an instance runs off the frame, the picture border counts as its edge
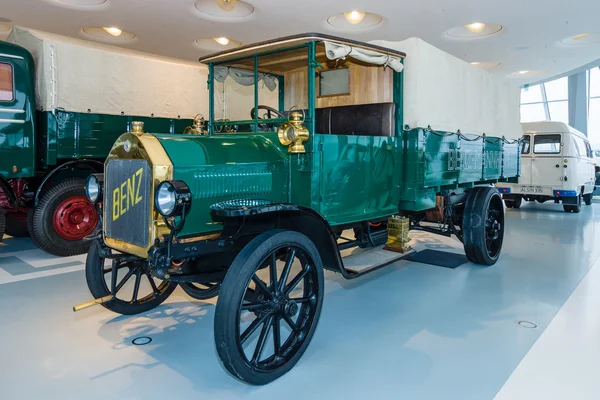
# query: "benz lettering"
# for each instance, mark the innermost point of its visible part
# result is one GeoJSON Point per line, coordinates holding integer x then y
{"type": "Point", "coordinates": [127, 195]}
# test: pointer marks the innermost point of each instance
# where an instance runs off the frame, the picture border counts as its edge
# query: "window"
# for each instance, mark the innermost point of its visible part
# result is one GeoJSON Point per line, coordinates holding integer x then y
{"type": "Point", "coordinates": [557, 89]}
{"type": "Point", "coordinates": [546, 144]}
{"type": "Point", "coordinates": [559, 111]}
{"type": "Point", "coordinates": [588, 150]}
{"type": "Point", "coordinates": [334, 82]}
{"type": "Point", "coordinates": [532, 112]}
{"type": "Point", "coordinates": [525, 144]}
{"type": "Point", "coordinates": [531, 94]}
{"type": "Point", "coordinates": [6, 82]}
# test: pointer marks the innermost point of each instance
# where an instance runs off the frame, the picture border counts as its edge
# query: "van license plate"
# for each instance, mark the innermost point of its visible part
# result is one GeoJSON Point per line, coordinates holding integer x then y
{"type": "Point", "coordinates": [531, 189]}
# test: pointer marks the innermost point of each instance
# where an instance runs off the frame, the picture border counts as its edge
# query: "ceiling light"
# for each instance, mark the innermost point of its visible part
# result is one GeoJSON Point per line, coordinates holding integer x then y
{"type": "Point", "coordinates": [354, 17]}
{"type": "Point", "coordinates": [523, 72]}
{"type": "Point", "coordinates": [580, 36]}
{"type": "Point", "coordinates": [113, 31]}
{"type": "Point", "coordinates": [226, 5]}
{"type": "Point", "coordinates": [222, 41]}
{"type": "Point", "coordinates": [476, 63]}
{"type": "Point", "coordinates": [476, 27]}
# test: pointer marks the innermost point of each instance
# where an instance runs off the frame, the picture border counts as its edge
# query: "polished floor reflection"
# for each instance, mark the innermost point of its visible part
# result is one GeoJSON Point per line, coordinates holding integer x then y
{"type": "Point", "coordinates": [410, 330]}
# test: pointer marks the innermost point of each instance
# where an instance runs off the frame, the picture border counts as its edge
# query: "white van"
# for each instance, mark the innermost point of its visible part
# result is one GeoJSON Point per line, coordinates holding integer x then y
{"type": "Point", "coordinates": [556, 164]}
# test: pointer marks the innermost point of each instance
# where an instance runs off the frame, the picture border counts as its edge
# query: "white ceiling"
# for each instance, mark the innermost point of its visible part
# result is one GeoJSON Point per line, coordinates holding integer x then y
{"type": "Point", "coordinates": [529, 40]}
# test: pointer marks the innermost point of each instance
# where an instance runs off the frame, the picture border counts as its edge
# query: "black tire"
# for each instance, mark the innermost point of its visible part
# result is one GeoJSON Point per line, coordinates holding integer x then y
{"type": "Point", "coordinates": [509, 203]}
{"type": "Point", "coordinates": [573, 208]}
{"type": "Point", "coordinates": [41, 223]}
{"type": "Point", "coordinates": [201, 291]}
{"type": "Point", "coordinates": [517, 202]}
{"type": "Point", "coordinates": [95, 275]}
{"type": "Point", "coordinates": [274, 309]}
{"type": "Point", "coordinates": [2, 223]}
{"type": "Point", "coordinates": [483, 225]}
{"type": "Point", "coordinates": [587, 198]}
{"type": "Point", "coordinates": [16, 225]}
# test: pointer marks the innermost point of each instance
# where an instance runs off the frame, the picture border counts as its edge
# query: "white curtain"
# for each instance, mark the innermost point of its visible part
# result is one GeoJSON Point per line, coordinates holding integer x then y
{"type": "Point", "coordinates": [336, 51]}
{"type": "Point", "coordinates": [244, 77]}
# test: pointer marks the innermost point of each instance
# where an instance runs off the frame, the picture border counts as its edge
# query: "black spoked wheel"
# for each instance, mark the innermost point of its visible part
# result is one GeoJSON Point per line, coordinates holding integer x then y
{"type": "Point", "coordinates": [269, 306]}
{"type": "Point", "coordinates": [483, 226]}
{"type": "Point", "coordinates": [201, 291]}
{"type": "Point", "coordinates": [136, 290]}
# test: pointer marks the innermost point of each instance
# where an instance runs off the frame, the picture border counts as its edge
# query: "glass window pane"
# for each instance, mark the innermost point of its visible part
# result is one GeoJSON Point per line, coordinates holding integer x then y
{"type": "Point", "coordinates": [594, 122]}
{"type": "Point", "coordinates": [559, 111]}
{"type": "Point", "coordinates": [546, 144]}
{"type": "Point", "coordinates": [594, 82]}
{"type": "Point", "coordinates": [532, 94]}
{"type": "Point", "coordinates": [557, 89]}
{"type": "Point", "coordinates": [6, 82]}
{"type": "Point", "coordinates": [532, 113]}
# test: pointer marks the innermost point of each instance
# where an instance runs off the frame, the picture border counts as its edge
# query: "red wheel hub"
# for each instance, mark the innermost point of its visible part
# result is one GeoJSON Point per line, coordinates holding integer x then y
{"type": "Point", "coordinates": [75, 218]}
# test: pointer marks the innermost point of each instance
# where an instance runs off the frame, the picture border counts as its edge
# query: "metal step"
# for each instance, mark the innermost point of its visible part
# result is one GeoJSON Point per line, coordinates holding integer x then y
{"type": "Point", "coordinates": [362, 261]}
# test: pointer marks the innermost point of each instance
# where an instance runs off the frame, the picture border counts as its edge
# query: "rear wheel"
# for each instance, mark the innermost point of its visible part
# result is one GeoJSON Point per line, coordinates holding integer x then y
{"type": "Point", "coordinates": [573, 208]}
{"type": "Point", "coordinates": [201, 291]}
{"type": "Point", "coordinates": [136, 290]}
{"type": "Point", "coordinates": [587, 198]}
{"type": "Point", "coordinates": [269, 306]}
{"type": "Point", "coordinates": [517, 202]}
{"type": "Point", "coordinates": [483, 225]}
{"type": "Point", "coordinates": [16, 224]}
{"type": "Point", "coordinates": [63, 218]}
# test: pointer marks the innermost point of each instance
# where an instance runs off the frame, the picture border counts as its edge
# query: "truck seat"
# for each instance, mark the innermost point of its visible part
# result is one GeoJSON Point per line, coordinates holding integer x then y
{"type": "Point", "coordinates": [377, 119]}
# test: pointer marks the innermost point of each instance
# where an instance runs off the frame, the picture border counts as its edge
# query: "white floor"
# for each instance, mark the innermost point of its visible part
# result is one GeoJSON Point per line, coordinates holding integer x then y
{"type": "Point", "coordinates": [409, 330]}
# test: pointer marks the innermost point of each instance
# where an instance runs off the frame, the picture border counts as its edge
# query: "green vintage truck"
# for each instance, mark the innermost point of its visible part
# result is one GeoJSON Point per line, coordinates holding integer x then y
{"type": "Point", "coordinates": [300, 183]}
{"type": "Point", "coordinates": [63, 103]}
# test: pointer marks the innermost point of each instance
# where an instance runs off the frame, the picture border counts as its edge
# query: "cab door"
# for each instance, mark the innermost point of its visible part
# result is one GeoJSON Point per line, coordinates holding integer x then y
{"type": "Point", "coordinates": [525, 177]}
{"type": "Point", "coordinates": [546, 160]}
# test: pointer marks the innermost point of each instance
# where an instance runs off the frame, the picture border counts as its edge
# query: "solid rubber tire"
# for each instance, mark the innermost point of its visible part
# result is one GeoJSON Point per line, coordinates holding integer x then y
{"type": "Point", "coordinates": [2, 223]}
{"type": "Point", "coordinates": [94, 277]}
{"type": "Point", "coordinates": [232, 289]}
{"type": "Point", "coordinates": [15, 227]}
{"type": "Point", "coordinates": [474, 226]}
{"type": "Point", "coordinates": [41, 225]}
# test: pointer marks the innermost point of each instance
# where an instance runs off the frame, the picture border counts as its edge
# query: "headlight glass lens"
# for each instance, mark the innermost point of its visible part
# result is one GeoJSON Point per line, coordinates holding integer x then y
{"type": "Point", "coordinates": [92, 189]}
{"type": "Point", "coordinates": [165, 198]}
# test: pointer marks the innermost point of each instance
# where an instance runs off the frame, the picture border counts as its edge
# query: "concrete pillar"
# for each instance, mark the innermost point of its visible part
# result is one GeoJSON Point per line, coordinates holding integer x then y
{"type": "Point", "coordinates": [578, 115]}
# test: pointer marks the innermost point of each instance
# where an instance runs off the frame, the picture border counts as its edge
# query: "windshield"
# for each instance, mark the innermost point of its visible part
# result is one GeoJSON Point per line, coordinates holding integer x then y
{"type": "Point", "coordinates": [250, 99]}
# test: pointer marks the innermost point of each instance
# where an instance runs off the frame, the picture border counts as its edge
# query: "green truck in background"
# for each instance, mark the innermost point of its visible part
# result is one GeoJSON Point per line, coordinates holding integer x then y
{"type": "Point", "coordinates": [63, 103]}
{"type": "Point", "coordinates": [310, 180]}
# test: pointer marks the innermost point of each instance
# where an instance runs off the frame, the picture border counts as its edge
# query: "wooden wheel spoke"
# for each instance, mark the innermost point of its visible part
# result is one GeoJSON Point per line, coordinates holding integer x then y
{"type": "Point", "coordinates": [296, 281]}
{"type": "Point", "coordinates": [276, 335]}
{"type": "Point", "coordinates": [287, 268]}
{"type": "Point", "coordinates": [136, 288]}
{"type": "Point", "coordinates": [252, 328]}
{"type": "Point", "coordinates": [262, 340]}
{"type": "Point", "coordinates": [261, 286]}
{"type": "Point", "coordinates": [290, 322]}
{"type": "Point", "coordinates": [124, 280]}
{"type": "Point", "coordinates": [273, 271]}
{"type": "Point", "coordinates": [154, 288]}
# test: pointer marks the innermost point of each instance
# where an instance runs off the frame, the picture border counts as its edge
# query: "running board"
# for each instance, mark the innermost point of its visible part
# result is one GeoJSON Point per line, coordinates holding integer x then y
{"type": "Point", "coordinates": [366, 261]}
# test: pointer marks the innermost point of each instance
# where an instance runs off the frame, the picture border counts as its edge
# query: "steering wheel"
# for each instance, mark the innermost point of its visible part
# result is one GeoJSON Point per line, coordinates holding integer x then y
{"type": "Point", "coordinates": [271, 113]}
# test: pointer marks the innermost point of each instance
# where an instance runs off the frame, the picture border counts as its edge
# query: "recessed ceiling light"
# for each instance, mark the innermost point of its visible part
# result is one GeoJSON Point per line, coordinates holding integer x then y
{"type": "Point", "coordinates": [485, 65]}
{"type": "Point", "coordinates": [527, 74]}
{"type": "Point", "coordinates": [223, 9]}
{"type": "Point", "coordinates": [523, 72]}
{"type": "Point", "coordinates": [110, 35]}
{"type": "Point", "coordinates": [217, 44]}
{"type": "Point", "coordinates": [355, 20]}
{"type": "Point", "coordinates": [583, 39]}
{"type": "Point", "coordinates": [476, 27]}
{"type": "Point", "coordinates": [113, 31]}
{"type": "Point", "coordinates": [354, 17]}
{"type": "Point", "coordinates": [223, 41]}
{"type": "Point", "coordinates": [476, 30]}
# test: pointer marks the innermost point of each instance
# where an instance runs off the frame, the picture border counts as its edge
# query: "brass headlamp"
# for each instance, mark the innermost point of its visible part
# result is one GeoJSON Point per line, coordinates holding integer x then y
{"type": "Point", "coordinates": [293, 133]}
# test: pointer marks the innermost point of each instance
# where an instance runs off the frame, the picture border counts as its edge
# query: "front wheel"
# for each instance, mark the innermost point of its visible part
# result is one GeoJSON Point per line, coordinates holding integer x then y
{"type": "Point", "coordinates": [63, 218]}
{"type": "Point", "coordinates": [587, 198]}
{"type": "Point", "coordinates": [136, 291]}
{"type": "Point", "coordinates": [269, 306]}
{"type": "Point", "coordinates": [483, 225]}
